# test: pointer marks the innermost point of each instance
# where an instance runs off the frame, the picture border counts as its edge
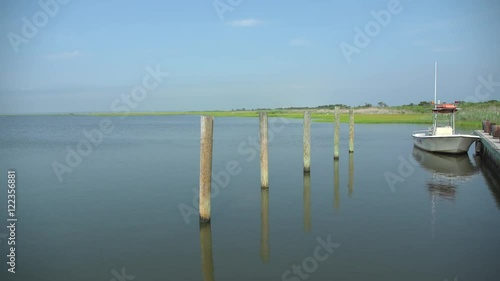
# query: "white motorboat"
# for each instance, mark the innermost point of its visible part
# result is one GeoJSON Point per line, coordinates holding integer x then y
{"type": "Point", "coordinates": [443, 138]}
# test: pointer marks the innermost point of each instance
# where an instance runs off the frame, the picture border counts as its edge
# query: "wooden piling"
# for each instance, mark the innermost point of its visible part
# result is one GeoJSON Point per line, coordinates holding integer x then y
{"type": "Point", "coordinates": [484, 125]}
{"type": "Point", "coordinates": [487, 126]}
{"type": "Point", "coordinates": [307, 141]}
{"type": "Point", "coordinates": [351, 130]}
{"type": "Point", "coordinates": [350, 183]}
{"type": "Point", "coordinates": [207, 262]}
{"type": "Point", "coordinates": [307, 202]}
{"type": "Point", "coordinates": [336, 185]}
{"type": "Point", "coordinates": [495, 131]}
{"type": "Point", "coordinates": [492, 126]}
{"type": "Point", "coordinates": [264, 224]}
{"type": "Point", "coordinates": [206, 143]}
{"type": "Point", "coordinates": [264, 168]}
{"type": "Point", "coordinates": [336, 136]}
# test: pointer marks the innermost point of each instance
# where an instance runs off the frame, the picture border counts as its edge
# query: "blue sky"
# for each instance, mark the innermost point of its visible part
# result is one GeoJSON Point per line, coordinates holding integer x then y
{"type": "Point", "coordinates": [260, 54]}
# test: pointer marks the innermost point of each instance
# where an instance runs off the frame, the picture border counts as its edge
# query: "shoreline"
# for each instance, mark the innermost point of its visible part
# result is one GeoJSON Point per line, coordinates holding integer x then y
{"type": "Point", "coordinates": [325, 116]}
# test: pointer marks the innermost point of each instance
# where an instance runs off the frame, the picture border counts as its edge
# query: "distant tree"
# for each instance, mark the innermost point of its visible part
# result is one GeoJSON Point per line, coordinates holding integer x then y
{"type": "Point", "coordinates": [367, 105]}
{"type": "Point", "coordinates": [424, 103]}
{"type": "Point", "coordinates": [382, 104]}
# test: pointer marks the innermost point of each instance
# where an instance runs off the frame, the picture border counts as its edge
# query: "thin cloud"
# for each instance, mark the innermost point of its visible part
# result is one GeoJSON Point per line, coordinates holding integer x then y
{"type": "Point", "coordinates": [299, 42]}
{"type": "Point", "coordinates": [63, 56]}
{"type": "Point", "coordinates": [246, 23]}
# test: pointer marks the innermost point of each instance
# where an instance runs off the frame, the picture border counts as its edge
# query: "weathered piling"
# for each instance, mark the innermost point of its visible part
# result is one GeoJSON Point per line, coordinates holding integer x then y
{"type": "Point", "coordinates": [264, 167]}
{"type": "Point", "coordinates": [484, 125]}
{"type": "Point", "coordinates": [495, 131]}
{"type": "Point", "coordinates": [264, 224]}
{"type": "Point", "coordinates": [336, 136]}
{"type": "Point", "coordinates": [351, 130]}
{"type": "Point", "coordinates": [492, 126]}
{"type": "Point", "coordinates": [350, 182]}
{"type": "Point", "coordinates": [206, 143]}
{"type": "Point", "coordinates": [487, 126]}
{"type": "Point", "coordinates": [207, 262]}
{"type": "Point", "coordinates": [307, 141]}
{"type": "Point", "coordinates": [307, 202]}
{"type": "Point", "coordinates": [336, 185]}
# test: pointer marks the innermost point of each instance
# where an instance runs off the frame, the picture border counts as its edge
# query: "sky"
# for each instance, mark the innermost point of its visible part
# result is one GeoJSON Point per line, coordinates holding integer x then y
{"type": "Point", "coordinates": [59, 56]}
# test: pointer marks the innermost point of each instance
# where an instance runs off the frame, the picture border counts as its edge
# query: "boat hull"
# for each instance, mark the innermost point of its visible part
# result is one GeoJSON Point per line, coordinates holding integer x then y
{"type": "Point", "coordinates": [454, 144]}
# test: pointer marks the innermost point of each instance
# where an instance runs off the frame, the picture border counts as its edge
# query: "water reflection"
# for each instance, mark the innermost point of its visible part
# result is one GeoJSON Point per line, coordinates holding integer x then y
{"type": "Point", "coordinates": [491, 177]}
{"type": "Point", "coordinates": [307, 202]}
{"type": "Point", "coordinates": [446, 170]}
{"type": "Point", "coordinates": [207, 262]}
{"type": "Point", "coordinates": [351, 174]}
{"type": "Point", "coordinates": [336, 183]}
{"type": "Point", "coordinates": [264, 224]}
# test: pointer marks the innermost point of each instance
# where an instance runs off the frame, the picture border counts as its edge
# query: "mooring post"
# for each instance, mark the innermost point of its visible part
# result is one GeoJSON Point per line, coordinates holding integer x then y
{"type": "Point", "coordinates": [264, 168]}
{"type": "Point", "coordinates": [351, 130]}
{"type": "Point", "coordinates": [207, 262]}
{"type": "Point", "coordinates": [492, 127]}
{"type": "Point", "coordinates": [336, 185]}
{"type": "Point", "coordinates": [336, 136]}
{"type": "Point", "coordinates": [307, 141]}
{"type": "Point", "coordinates": [307, 202]}
{"type": "Point", "coordinates": [495, 131]}
{"type": "Point", "coordinates": [264, 224]}
{"type": "Point", "coordinates": [207, 126]}
{"type": "Point", "coordinates": [487, 129]}
{"type": "Point", "coordinates": [350, 182]}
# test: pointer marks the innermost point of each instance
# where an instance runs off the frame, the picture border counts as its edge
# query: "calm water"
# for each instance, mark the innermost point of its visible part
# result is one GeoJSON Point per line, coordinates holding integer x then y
{"type": "Point", "coordinates": [436, 218]}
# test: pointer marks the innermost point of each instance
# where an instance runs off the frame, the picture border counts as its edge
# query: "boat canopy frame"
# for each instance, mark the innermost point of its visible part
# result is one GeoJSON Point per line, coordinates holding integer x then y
{"type": "Point", "coordinates": [444, 109]}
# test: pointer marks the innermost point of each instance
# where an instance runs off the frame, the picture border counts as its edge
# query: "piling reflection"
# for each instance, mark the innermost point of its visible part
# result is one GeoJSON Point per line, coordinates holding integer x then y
{"type": "Point", "coordinates": [351, 174]}
{"type": "Point", "coordinates": [207, 262]}
{"type": "Point", "coordinates": [491, 177]}
{"type": "Point", "coordinates": [264, 225]}
{"type": "Point", "coordinates": [336, 183]}
{"type": "Point", "coordinates": [307, 202]}
{"type": "Point", "coordinates": [446, 171]}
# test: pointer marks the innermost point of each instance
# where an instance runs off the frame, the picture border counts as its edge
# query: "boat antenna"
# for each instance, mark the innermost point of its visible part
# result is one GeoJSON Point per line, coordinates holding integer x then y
{"type": "Point", "coordinates": [435, 83]}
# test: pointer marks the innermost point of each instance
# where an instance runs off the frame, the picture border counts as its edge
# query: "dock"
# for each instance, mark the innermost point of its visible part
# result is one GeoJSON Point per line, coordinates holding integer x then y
{"type": "Point", "coordinates": [489, 147]}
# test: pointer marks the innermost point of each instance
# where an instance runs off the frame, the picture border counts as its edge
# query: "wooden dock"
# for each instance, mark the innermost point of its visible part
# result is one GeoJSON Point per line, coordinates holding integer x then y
{"type": "Point", "coordinates": [490, 147]}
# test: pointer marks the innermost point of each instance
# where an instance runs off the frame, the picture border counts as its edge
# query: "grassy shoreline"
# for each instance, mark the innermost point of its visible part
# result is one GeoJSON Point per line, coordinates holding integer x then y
{"type": "Point", "coordinates": [360, 118]}
{"type": "Point", "coordinates": [470, 115]}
